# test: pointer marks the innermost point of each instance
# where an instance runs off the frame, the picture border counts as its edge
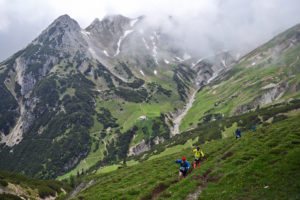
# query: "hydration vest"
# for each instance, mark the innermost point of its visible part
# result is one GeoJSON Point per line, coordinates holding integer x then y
{"type": "Point", "coordinates": [183, 166]}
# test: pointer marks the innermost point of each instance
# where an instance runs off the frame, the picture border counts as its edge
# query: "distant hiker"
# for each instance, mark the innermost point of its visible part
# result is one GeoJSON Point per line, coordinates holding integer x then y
{"type": "Point", "coordinates": [238, 133]}
{"type": "Point", "coordinates": [184, 166]}
{"type": "Point", "coordinates": [198, 155]}
{"type": "Point", "coordinates": [253, 128]}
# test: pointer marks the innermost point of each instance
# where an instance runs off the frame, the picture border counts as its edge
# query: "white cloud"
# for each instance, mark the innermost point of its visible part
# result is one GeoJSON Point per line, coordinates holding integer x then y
{"type": "Point", "coordinates": [202, 24]}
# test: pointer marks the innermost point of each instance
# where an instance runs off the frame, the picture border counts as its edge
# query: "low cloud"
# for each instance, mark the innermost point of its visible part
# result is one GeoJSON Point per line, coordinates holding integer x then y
{"type": "Point", "coordinates": [204, 26]}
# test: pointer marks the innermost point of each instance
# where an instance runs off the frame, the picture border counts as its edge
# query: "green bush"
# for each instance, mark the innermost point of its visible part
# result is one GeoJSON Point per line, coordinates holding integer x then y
{"type": "Point", "coordinates": [3, 183]}
{"type": "Point", "coordinates": [45, 191]}
{"type": "Point", "coordinates": [9, 197]}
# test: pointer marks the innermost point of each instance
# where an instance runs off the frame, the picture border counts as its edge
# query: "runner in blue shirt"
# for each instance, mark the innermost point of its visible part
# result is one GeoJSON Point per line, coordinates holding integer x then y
{"type": "Point", "coordinates": [184, 166]}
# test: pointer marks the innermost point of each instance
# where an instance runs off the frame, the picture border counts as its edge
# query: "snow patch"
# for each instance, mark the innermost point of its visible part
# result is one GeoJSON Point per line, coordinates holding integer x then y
{"type": "Point", "coordinates": [166, 61]}
{"type": "Point", "coordinates": [86, 33]}
{"type": "Point", "coordinates": [105, 52]}
{"type": "Point", "coordinates": [133, 22]}
{"type": "Point", "coordinates": [155, 72]}
{"type": "Point", "coordinates": [142, 72]}
{"type": "Point", "coordinates": [215, 74]}
{"type": "Point", "coordinates": [154, 50]}
{"type": "Point", "coordinates": [224, 63]}
{"type": "Point", "coordinates": [253, 63]}
{"type": "Point", "coordinates": [179, 59]}
{"type": "Point", "coordinates": [121, 39]}
{"type": "Point", "coordinates": [146, 45]}
{"type": "Point", "coordinates": [194, 64]}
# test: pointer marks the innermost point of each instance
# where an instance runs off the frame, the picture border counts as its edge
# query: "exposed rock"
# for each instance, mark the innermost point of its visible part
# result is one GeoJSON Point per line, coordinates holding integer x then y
{"type": "Point", "coordinates": [139, 148]}
{"type": "Point", "coordinates": [158, 140]}
{"type": "Point", "coordinates": [272, 94]}
{"type": "Point", "coordinates": [271, 85]}
{"type": "Point", "coordinates": [142, 117]}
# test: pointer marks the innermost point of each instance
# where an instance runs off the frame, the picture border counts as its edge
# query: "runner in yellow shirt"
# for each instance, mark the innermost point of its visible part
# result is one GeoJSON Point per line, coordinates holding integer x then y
{"type": "Point", "coordinates": [198, 154]}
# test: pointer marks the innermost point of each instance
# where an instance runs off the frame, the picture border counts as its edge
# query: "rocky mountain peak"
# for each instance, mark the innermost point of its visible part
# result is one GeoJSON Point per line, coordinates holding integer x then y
{"type": "Point", "coordinates": [63, 32]}
{"type": "Point", "coordinates": [111, 24]}
{"type": "Point", "coordinates": [66, 22]}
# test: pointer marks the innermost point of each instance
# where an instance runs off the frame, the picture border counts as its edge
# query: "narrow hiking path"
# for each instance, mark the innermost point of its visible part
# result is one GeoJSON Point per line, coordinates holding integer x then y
{"type": "Point", "coordinates": [204, 178]}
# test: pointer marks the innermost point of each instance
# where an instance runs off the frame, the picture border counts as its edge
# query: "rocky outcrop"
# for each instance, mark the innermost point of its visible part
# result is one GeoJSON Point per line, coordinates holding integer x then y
{"type": "Point", "coordinates": [271, 92]}
{"type": "Point", "coordinates": [139, 148]}
{"type": "Point", "coordinates": [158, 140]}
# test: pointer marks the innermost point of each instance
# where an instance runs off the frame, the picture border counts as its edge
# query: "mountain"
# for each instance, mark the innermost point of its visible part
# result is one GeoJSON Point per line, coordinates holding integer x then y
{"type": "Point", "coordinates": [105, 103]}
{"type": "Point", "coordinates": [75, 95]}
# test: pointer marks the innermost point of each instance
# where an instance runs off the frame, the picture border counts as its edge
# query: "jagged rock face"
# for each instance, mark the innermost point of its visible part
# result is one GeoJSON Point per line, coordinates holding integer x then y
{"type": "Point", "coordinates": [209, 68]}
{"type": "Point", "coordinates": [108, 31]}
{"type": "Point", "coordinates": [142, 146]}
{"type": "Point", "coordinates": [64, 33]}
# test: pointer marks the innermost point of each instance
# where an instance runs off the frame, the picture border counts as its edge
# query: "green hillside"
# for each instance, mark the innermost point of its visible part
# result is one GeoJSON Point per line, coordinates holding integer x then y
{"type": "Point", "coordinates": [267, 75]}
{"type": "Point", "coordinates": [263, 164]}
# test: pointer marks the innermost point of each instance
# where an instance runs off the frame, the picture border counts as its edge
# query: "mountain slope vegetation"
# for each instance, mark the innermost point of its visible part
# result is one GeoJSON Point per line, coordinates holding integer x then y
{"type": "Point", "coordinates": [267, 75]}
{"type": "Point", "coordinates": [18, 186]}
{"type": "Point", "coordinates": [61, 101]}
{"type": "Point", "coordinates": [261, 164]}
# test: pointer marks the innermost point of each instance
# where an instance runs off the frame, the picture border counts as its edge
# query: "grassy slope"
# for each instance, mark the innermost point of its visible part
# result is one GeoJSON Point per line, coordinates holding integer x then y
{"type": "Point", "coordinates": [243, 83]}
{"type": "Point", "coordinates": [127, 114]}
{"type": "Point", "coordinates": [234, 169]}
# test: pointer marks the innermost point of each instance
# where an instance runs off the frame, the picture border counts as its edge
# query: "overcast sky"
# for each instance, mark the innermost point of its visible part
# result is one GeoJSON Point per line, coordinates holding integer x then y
{"type": "Point", "coordinates": [234, 23]}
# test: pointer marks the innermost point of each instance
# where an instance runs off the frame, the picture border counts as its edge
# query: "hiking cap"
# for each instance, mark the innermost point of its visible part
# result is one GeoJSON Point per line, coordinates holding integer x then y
{"type": "Point", "coordinates": [183, 159]}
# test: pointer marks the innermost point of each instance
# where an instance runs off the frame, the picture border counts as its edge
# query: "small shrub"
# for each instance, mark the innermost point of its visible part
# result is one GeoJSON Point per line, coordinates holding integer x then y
{"type": "Point", "coordinates": [278, 118]}
{"type": "Point", "coordinates": [45, 191]}
{"type": "Point", "coordinates": [9, 197]}
{"type": "Point", "coordinates": [3, 183]}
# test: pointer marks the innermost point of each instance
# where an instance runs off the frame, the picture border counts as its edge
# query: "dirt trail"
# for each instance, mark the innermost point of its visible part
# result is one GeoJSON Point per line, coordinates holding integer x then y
{"type": "Point", "coordinates": [205, 179]}
{"type": "Point", "coordinates": [158, 190]}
